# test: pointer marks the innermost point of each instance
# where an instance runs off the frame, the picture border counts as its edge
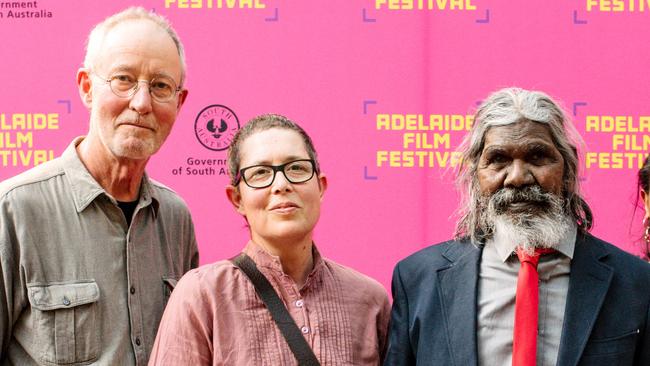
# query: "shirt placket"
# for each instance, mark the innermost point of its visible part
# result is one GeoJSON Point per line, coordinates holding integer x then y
{"type": "Point", "coordinates": [297, 307]}
{"type": "Point", "coordinates": [308, 294]}
{"type": "Point", "coordinates": [135, 300]}
{"type": "Point", "coordinates": [545, 271]}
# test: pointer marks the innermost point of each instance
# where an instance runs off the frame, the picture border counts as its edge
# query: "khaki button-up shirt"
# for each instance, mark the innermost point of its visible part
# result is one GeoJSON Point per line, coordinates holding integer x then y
{"type": "Point", "coordinates": [77, 285]}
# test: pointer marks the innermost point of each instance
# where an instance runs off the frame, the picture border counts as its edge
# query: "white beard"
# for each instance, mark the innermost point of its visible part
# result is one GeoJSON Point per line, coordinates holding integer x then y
{"type": "Point", "coordinates": [541, 225]}
{"type": "Point", "coordinates": [543, 232]}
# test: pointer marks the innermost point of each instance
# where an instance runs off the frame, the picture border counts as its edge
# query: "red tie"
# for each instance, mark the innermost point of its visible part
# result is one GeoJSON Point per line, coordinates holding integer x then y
{"type": "Point", "coordinates": [524, 345]}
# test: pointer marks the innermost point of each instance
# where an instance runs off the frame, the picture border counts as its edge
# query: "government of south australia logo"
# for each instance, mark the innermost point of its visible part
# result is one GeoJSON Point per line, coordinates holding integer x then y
{"type": "Point", "coordinates": [215, 127]}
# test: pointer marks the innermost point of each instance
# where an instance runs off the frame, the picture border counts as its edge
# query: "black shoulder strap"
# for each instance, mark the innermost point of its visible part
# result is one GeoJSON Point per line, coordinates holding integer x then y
{"type": "Point", "coordinates": [279, 312]}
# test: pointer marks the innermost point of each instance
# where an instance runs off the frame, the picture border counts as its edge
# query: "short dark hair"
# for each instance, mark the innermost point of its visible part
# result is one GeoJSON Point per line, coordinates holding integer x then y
{"type": "Point", "coordinates": [262, 123]}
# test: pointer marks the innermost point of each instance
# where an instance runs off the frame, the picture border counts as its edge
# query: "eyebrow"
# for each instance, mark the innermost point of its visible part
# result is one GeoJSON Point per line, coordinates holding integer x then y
{"type": "Point", "coordinates": [494, 149]}
{"type": "Point", "coordinates": [131, 69]}
{"type": "Point", "coordinates": [535, 146]}
{"type": "Point", "coordinates": [286, 160]}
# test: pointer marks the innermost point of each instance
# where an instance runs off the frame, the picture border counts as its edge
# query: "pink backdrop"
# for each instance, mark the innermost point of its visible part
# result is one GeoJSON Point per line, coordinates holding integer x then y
{"type": "Point", "coordinates": [338, 67]}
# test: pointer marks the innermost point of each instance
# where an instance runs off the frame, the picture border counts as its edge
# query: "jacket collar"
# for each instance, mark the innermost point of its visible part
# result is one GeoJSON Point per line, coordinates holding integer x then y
{"type": "Point", "coordinates": [457, 284]}
{"type": "Point", "coordinates": [589, 282]}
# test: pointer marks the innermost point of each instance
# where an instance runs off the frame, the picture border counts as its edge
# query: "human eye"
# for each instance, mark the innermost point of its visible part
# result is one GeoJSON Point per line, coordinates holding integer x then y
{"type": "Point", "coordinates": [298, 166]}
{"type": "Point", "coordinates": [122, 81]}
{"type": "Point", "coordinates": [539, 155]}
{"type": "Point", "coordinates": [123, 78]}
{"type": "Point", "coordinates": [496, 158]}
{"type": "Point", "coordinates": [161, 84]}
{"type": "Point", "coordinates": [258, 172]}
{"type": "Point", "coordinates": [298, 169]}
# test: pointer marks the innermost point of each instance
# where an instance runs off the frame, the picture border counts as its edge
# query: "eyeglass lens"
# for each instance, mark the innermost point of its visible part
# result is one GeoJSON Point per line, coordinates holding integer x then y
{"type": "Point", "coordinates": [161, 88]}
{"type": "Point", "coordinates": [260, 176]}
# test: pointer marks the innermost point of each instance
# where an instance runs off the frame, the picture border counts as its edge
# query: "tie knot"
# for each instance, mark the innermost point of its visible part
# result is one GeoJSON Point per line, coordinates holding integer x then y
{"type": "Point", "coordinates": [524, 256]}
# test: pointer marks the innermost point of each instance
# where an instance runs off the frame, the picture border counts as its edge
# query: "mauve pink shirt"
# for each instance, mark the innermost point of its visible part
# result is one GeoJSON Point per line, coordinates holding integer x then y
{"type": "Point", "coordinates": [214, 316]}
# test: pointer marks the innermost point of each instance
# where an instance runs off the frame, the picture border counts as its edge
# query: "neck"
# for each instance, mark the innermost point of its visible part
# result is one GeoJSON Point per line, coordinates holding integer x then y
{"type": "Point", "coordinates": [120, 177]}
{"type": "Point", "coordinates": [295, 256]}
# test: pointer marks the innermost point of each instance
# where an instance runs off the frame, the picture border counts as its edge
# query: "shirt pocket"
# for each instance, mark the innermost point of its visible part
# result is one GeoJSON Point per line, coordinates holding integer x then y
{"type": "Point", "coordinates": [66, 324]}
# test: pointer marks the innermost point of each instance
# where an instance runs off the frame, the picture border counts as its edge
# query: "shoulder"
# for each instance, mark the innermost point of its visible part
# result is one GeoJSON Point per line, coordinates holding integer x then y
{"type": "Point", "coordinates": [19, 184]}
{"type": "Point", "coordinates": [420, 268]}
{"type": "Point", "coordinates": [211, 280]}
{"type": "Point", "coordinates": [437, 255]}
{"type": "Point", "coordinates": [167, 197]}
{"type": "Point", "coordinates": [208, 273]}
{"type": "Point", "coordinates": [623, 263]}
{"type": "Point", "coordinates": [357, 281]}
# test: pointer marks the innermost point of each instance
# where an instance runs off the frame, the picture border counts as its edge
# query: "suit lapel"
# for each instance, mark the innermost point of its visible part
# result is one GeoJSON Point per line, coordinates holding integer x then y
{"type": "Point", "coordinates": [588, 285]}
{"type": "Point", "coordinates": [457, 284]}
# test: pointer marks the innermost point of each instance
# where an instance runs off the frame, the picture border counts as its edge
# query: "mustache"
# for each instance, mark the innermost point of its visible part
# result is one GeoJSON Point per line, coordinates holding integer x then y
{"type": "Point", "coordinates": [503, 198]}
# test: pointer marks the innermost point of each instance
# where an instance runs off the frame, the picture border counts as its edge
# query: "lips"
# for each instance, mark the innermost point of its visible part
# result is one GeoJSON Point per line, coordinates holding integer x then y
{"type": "Point", "coordinates": [284, 207]}
{"type": "Point", "coordinates": [525, 206]}
{"type": "Point", "coordinates": [523, 203]}
{"type": "Point", "coordinates": [134, 124]}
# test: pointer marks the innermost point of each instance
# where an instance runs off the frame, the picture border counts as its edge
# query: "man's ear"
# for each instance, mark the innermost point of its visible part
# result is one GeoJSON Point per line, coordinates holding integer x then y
{"type": "Point", "coordinates": [84, 83]}
{"type": "Point", "coordinates": [182, 95]}
{"type": "Point", "coordinates": [322, 185]}
{"type": "Point", "coordinates": [234, 196]}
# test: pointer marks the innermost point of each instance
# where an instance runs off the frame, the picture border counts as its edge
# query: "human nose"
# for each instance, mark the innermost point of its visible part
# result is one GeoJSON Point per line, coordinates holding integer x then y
{"type": "Point", "coordinates": [280, 182]}
{"type": "Point", "coordinates": [519, 175]}
{"type": "Point", "coordinates": [141, 99]}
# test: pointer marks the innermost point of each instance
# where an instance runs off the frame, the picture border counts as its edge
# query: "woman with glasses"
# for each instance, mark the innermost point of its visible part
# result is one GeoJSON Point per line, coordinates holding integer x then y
{"type": "Point", "coordinates": [215, 315]}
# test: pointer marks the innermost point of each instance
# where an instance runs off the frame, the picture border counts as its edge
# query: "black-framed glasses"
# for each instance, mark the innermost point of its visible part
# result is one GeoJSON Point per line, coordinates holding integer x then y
{"type": "Point", "coordinates": [262, 176]}
{"type": "Point", "coordinates": [161, 88]}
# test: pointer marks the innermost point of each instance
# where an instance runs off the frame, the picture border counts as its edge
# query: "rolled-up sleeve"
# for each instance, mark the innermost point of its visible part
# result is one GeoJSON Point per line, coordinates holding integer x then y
{"type": "Point", "coordinates": [185, 332]}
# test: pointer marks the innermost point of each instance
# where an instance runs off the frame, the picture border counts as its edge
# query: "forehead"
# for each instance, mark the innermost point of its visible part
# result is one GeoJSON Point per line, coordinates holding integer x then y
{"type": "Point", "coordinates": [274, 145]}
{"type": "Point", "coordinates": [139, 44]}
{"type": "Point", "coordinates": [520, 135]}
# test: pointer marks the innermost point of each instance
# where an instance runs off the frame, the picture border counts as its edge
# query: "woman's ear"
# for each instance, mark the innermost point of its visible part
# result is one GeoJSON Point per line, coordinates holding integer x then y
{"type": "Point", "coordinates": [234, 196]}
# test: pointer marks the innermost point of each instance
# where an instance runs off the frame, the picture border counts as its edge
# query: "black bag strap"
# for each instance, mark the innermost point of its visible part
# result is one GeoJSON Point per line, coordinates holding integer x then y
{"type": "Point", "coordinates": [279, 312]}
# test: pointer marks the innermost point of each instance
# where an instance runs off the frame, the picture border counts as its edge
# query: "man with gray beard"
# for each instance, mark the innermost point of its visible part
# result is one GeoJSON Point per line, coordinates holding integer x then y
{"type": "Point", "coordinates": [523, 283]}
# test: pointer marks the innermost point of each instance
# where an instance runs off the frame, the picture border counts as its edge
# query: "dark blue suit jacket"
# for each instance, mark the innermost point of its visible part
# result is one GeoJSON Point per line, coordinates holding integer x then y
{"type": "Point", "coordinates": [606, 321]}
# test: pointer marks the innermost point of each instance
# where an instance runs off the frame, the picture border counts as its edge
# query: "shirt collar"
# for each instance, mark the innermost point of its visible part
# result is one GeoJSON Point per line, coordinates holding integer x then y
{"type": "Point", "coordinates": [264, 259]}
{"type": "Point", "coordinates": [566, 245]}
{"type": "Point", "coordinates": [85, 188]}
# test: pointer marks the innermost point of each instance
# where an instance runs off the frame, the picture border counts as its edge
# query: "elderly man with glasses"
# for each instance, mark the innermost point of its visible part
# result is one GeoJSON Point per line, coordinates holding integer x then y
{"type": "Point", "coordinates": [90, 246]}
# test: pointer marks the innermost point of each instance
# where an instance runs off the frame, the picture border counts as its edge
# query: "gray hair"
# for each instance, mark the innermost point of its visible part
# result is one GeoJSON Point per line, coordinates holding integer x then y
{"type": "Point", "coordinates": [508, 106]}
{"type": "Point", "coordinates": [262, 123]}
{"type": "Point", "coordinates": [97, 35]}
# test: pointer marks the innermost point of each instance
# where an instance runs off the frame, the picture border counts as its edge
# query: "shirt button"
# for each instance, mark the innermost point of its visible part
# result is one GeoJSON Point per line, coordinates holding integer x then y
{"type": "Point", "coordinates": [132, 290]}
{"type": "Point", "coordinates": [137, 341]}
{"type": "Point", "coordinates": [300, 303]}
{"type": "Point", "coordinates": [66, 302]}
{"type": "Point", "coordinates": [304, 330]}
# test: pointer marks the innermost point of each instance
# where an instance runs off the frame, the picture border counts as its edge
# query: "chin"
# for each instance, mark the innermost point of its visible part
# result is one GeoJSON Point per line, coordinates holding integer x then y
{"type": "Point", "coordinates": [136, 150]}
{"type": "Point", "coordinates": [290, 231]}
